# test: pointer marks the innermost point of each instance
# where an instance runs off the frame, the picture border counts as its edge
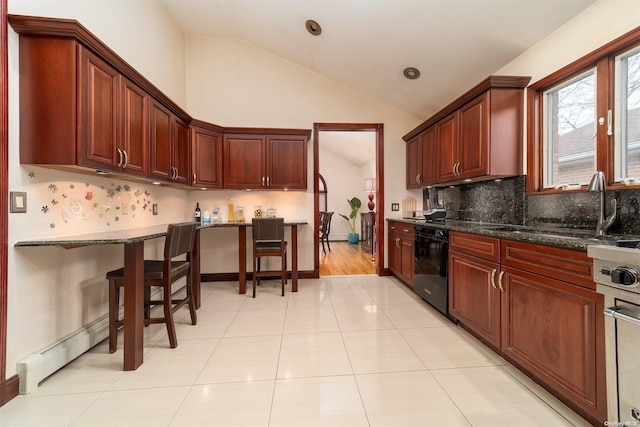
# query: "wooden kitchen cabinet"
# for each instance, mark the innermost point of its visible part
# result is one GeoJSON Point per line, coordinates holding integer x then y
{"type": "Point", "coordinates": [421, 159]}
{"type": "Point", "coordinates": [267, 159]}
{"type": "Point", "coordinates": [206, 155]}
{"type": "Point", "coordinates": [479, 135]}
{"type": "Point", "coordinates": [553, 323]}
{"type": "Point", "coordinates": [474, 298]}
{"type": "Point", "coordinates": [77, 110]}
{"type": "Point", "coordinates": [537, 306]}
{"type": "Point", "coordinates": [170, 146]}
{"type": "Point", "coordinates": [401, 251]}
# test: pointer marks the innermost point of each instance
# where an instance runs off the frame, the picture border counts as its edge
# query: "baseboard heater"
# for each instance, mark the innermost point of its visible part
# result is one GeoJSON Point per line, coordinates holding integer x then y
{"type": "Point", "coordinates": [33, 369]}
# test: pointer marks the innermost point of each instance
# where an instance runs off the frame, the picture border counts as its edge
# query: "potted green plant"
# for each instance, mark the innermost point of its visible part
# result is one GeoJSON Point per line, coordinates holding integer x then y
{"type": "Point", "coordinates": [355, 204]}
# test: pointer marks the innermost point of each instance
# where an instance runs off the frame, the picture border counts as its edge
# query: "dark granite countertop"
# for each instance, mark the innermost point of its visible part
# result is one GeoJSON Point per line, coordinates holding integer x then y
{"type": "Point", "coordinates": [131, 235]}
{"type": "Point", "coordinates": [561, 237]}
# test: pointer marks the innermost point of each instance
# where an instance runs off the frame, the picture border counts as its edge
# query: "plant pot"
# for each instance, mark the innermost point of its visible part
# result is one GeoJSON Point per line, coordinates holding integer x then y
{"type": "Point", "coordinates": [354, 238]}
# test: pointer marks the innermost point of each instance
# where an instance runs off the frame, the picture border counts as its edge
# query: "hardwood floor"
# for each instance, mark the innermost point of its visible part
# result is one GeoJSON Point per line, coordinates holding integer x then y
{"type": "Point", "coordinates": [346, 259]}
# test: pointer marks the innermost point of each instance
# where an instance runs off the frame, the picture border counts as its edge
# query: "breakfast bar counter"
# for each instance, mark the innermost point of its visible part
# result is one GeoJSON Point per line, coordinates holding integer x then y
{"type": "Point", "coordinates": [133, 240]}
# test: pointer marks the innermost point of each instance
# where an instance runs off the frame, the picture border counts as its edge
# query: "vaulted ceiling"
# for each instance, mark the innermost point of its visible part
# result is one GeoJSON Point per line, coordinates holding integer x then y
{"type": "Point", "coordinates": [366, 44]}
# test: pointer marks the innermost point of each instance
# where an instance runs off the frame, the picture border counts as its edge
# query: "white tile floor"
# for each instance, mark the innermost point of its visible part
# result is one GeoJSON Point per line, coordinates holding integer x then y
{"type": "Point", "coordinates": [343, 351]}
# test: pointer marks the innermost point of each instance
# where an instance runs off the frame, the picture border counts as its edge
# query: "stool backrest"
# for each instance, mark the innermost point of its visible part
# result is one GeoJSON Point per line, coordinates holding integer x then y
{"type": "Point", "coordinates": [180, 239]}
{"type": "Point", "coordinates": [325, 223]}
{"type": "Point", "coordinates": [268, 228]}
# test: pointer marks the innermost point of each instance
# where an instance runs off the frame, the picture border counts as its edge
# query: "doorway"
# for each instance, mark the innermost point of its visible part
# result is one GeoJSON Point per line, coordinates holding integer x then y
{"type": "Point", "coordinates": [376, 130]}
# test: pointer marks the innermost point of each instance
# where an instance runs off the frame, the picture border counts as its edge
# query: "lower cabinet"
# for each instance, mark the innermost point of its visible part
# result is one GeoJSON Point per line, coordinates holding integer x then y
{"type": "Point", "coordinates": [401, 243]}
{"type": "Point", "coordinates": [537, 306]}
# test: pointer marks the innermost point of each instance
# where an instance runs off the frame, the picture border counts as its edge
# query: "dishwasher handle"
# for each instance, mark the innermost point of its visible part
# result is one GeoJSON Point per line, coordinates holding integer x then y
{"type": "Point", "coordinates": [616, 313]}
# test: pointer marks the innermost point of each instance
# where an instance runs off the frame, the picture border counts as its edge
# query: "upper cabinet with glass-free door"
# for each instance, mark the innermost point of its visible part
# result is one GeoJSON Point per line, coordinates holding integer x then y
{"type": "Point", "coordinates": [479, 136]}
{"type": "Point", "coordinates": [585, 118]}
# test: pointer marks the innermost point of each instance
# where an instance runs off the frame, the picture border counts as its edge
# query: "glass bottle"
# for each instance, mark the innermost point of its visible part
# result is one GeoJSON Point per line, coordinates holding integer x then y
{"type": "Point", "coordinates": [240, 213]}
{"type": "Point", "coordinates": [197, 214]}
{"type": "Point", "coordinates": [257, 211]}
{"type": "Point", "coordinates": [231, 205]}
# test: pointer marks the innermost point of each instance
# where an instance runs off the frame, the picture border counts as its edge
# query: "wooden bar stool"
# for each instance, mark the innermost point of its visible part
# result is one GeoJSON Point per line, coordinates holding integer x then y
{"type": "Point", "coordinates": [160, 273]}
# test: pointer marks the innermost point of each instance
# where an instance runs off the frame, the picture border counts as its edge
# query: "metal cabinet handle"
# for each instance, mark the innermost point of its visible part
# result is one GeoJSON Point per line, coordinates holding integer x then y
{"type": "Point", "coordinates": [500, 281]}
{"type": "Point", "coordinates": [616, 313]}
{"type": "Point", "coordinates": [268, 181]}
{"type": "Point", "coordinates": [263, 181]}
{"type": "Point", "coordinates": [126, 159]}
{"type": "Point", "coordinates": [119, 157]}
{"type": "Point", "coordinates": [194, 178]}
{"type": "Point", "coordinates": [418, 178]}
{"type": "Point", "coordinates": [397, 242]}
{"type": "Point", "coordinates": [493, 278]}
{"type": "Point", "coordinates": [609, 123]}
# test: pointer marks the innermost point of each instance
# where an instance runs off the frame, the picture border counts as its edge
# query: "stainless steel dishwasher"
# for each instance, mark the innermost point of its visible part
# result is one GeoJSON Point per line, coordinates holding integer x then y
{"type": "Point", "coordinates": [616, 272]}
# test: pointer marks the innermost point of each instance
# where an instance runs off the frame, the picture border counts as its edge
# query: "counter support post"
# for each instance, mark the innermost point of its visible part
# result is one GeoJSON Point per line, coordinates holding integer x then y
{"type": "Point", "coordinates": [133, 300]}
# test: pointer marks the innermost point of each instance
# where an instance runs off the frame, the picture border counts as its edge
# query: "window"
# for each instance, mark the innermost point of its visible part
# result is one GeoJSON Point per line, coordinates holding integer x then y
{"type": "Point", "coordinates": [569, 128]}
{"type": "Point", "coordinates": [627, 130]}
{"type": "Point", "coordinates": [586, 118]}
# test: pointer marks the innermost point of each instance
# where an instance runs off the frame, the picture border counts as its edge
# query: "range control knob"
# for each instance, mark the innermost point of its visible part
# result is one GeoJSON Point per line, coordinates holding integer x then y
{"type": "Point", "coordinates": [624, 276]}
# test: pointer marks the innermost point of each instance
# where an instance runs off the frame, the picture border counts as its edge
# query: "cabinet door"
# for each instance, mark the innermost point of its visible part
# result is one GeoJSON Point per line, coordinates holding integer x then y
{"type": "Point", "coordinates": [181, 151]}
{"type": "Point", "coordinates": [428, 159]}
{"type": "Point", "coordinates": [286, 163]}
{"type": "Point", "coordinates": [414, 164]}
{"type": "Point", "coordinates": [407, 260]}
{"type": "Point", "coordinates": [134, 142]}
{"type": "Point", "coordinates": [555, 330]}
{"type": "Point", "coordinates": [244, 161]}
{"type": "Point", "coordinates": [447, 148]}
{"type": "Point", "coordinates": [473, 297]}
{"type": "Point", "coordinates": [98, 118]}
{"type": "Point", "coordinates": [394, 254]}
{"type": "Point", "coordinates": [474, 137]}
{"type": "Point", "coordinates": [160, 133]}
{"type": "Point", "coordinates": [206, 158]}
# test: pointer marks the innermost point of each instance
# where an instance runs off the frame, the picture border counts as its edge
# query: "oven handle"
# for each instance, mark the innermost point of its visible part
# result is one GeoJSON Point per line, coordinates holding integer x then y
{"type": "Point", "coordinates": [615, 313]}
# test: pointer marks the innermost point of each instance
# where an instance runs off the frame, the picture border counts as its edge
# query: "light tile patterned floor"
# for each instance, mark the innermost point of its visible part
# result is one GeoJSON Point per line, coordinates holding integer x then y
{"type": "Point", "coordinates": [343, 351]}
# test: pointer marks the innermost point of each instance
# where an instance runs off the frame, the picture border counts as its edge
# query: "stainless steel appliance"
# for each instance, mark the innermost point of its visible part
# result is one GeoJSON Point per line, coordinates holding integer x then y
{"type": "Point", "coordinates": [430, 267]}
{"type": "Point", "coordinates": [616, 271]}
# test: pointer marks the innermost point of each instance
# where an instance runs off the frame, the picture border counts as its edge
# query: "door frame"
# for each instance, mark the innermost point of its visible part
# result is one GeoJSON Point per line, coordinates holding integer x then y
{"type": "Point", "coordinates": [378, 128]}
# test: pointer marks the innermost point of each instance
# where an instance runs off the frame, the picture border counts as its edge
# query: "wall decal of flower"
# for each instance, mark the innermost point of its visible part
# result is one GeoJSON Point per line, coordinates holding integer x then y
{"type": "Point", "coordinates": [52, 188]}
{"type": "Point", "coordinates": [45, 209]}
{"type": "Point", "coordinates": [32, 174]}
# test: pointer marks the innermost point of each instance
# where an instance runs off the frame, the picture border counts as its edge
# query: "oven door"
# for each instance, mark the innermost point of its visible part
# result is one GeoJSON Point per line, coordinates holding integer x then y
{"type": "Point", "coordinates": [626, 318]}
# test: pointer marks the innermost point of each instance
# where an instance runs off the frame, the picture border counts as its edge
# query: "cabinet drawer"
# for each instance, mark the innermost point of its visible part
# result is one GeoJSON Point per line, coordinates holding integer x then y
{"type": "Point", "coordinates": [401, 229]}
{"type": "Point", "coordinates": [483, 247]}
{"type": "Point", "coordinates": [558, 263]}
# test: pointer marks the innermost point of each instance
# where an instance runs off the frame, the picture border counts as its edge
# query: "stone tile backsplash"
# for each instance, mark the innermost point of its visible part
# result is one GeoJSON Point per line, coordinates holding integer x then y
{"type": "Point", "coordinates": [505, 202]}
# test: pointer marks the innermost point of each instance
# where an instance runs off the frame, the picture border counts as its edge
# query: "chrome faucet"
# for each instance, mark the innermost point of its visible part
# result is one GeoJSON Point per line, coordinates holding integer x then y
{"type": "Point", "coordinates": [605, 222]}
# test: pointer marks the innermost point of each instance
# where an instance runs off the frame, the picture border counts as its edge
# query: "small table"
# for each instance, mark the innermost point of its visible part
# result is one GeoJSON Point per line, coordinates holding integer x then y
{"type": "Point", "coordinates": [133, 240]}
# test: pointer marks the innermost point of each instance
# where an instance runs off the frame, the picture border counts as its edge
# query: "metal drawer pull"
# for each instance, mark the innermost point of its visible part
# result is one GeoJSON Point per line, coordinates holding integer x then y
{"type": "Point", "coordinates": [500, 281]}
{"type": "Point", "coordinates": [126, 159]}
{"type": "Point", "coordinates": [615, 313]}
{"type": "Point", "coordinates": [119, 157]}
{"type": "Point", "coordinates": [493, 278]}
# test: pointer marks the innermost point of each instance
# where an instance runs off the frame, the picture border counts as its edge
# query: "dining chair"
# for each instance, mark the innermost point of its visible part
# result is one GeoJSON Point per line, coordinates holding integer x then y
{"type": "Point", "coordinates": [268, 241]}
{"type": "Point", "coordinates": [325, 229]}
{"type": "Point", "coordinates": [159, 273]}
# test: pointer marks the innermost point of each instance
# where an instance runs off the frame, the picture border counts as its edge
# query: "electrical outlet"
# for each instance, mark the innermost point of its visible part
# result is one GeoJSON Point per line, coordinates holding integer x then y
{"type": "Point", "coordinates": [395, 207]}
{"type": "Point", "coordinates": [154, 209]}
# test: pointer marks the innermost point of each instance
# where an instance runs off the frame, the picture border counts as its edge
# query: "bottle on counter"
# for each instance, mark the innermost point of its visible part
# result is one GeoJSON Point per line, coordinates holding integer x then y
{"type": "Point", "coordinates": [257, 211]}
{"type": "Point", "coordinates": [197, 215]}
{"type": "Point", "coordinates": [231, 205]}
{"type": "Point", "coordinates": [215, 217]}
{"type": "Point", "coordinates": [206, 217]}
{"type": "Point", "coordinates": [240, 214]}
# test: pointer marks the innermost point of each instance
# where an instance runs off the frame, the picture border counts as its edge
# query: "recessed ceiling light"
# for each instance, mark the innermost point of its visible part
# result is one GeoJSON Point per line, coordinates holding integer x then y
{"type": "Point", "coordinates": [313, 27]}
{"type": "Point", "coordinates": [411, 73]}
